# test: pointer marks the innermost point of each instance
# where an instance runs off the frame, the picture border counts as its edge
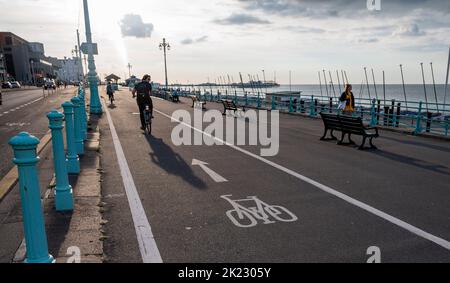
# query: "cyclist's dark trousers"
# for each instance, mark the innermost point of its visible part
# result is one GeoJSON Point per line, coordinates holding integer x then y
{"type": "Point", "coordinates": [141, 105]}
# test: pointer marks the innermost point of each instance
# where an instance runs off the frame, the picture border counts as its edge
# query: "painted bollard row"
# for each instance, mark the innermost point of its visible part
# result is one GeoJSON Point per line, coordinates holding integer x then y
{"type": "Point", "coordinates": [26, 159]}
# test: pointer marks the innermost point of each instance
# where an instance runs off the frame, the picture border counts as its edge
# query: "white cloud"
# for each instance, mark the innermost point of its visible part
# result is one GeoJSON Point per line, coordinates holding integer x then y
{"type": "Point", "coordinates": [132, 25]}
{"type": "Point", "coordinates": [409, 30]}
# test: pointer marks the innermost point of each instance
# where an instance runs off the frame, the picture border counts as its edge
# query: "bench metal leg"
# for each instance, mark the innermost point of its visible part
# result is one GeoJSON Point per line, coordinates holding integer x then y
{"type": "Point", "coordinates": [342, 139]}
{"type": "Point", "coordinates": [361, 147]}
{"type": "Point", "coordinates": [323, 138]}
{"type": "Point", "coordinates": [333, 137]}
{"type": "Point", "coordinates": [371, 144]}
{"type": "Point", "coordinates": [350, 139]}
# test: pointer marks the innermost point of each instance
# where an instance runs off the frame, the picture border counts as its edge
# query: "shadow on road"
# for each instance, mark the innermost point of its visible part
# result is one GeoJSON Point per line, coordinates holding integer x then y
{"type": "Point", "coordinates": [172, 162]}
{"type": "Point", "coordinates": [413, 161]}
{"type": "Point", "coordinates": [421, 144]}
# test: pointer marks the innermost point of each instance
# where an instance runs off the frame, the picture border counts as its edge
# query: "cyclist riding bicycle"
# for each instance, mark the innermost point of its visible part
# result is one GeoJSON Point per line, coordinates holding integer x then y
{"type": "Point", "coordinates": [142, 91]}
{"type": "Point", "coordinates": [110, 92]}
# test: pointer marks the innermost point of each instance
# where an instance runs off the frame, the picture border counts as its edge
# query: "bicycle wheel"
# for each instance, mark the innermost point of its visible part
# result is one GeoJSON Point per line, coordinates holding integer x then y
{"type": "Point", "coordinates": [251, 221]}
{"type": "Point", "coordinates": [149, 127]}
{"type": "Point", "coordinates": [280, 213]}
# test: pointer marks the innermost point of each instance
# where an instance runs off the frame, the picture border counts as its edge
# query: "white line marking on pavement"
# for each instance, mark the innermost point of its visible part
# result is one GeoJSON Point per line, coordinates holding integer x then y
{"type": "Point", "coordinates": [20, 107]}
{"type": "Point", "coordinates": [216, 177]}
{"type": "Point", "coordinates": [419, 232]}
{"type": "Point", "coordinates": [147, 245]}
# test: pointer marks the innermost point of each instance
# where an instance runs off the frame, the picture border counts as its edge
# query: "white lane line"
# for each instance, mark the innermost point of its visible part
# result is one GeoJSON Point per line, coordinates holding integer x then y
{"type": "Point", "coordinates": [20, 107]}
{"type": "Point", "coordinates": [417, 231]}
{"type": "Point", "coordinates": [147, 245]}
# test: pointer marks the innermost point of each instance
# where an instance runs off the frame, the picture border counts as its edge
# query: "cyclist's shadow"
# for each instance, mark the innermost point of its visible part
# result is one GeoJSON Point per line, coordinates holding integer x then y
{"type": "Point", "coordinates": [172, 162]}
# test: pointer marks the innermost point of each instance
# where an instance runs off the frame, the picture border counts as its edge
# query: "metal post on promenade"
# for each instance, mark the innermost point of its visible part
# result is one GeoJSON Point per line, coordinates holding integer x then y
{"type": "Point", "coordinates": [312, 111]}
{"type": "Point", "coordinates": [79, 141]}
{"type": "Point", "coordinates": [63, 190]}
{"type": "Point", "coordinates": [90, 49]}
{"type": "Point", "coordinates": [25, 157]}
{"type": "Point", "coordinates": [165, 46]}
{"type": "Point", "coordinates": [373, 115]}
{"type": "Point", "coordinates": [73, 162]}
{"type": "Point", "coordinates": [419, 128]}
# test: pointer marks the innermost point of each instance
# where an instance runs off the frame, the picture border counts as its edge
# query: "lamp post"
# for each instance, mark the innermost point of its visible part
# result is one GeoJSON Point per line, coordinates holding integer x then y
{"type": "Point", "coordinates": [165, 46]}
{"type": "Point", "coordinates": [129, 70]}
{"type": "Point", "coordinates": [91, 49]}
{"type": "Point", "coordinates": [32, 72]}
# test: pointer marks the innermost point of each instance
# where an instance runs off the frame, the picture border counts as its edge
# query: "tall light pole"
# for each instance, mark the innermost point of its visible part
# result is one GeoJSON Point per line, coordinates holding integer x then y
{"type": "Point", "coordinates": [32, 72]}
{"type": "Point", "coordinates": [165, 46]}
{"type": "Point", "coordinates": [129, 70]}
{"type": "Point", "coordinates": [79, 56]}
{"type": "Point", "coordinates": [91, 50]}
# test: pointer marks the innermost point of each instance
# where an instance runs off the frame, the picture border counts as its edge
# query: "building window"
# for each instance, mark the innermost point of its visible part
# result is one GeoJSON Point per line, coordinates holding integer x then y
{"type": "Point", "coordinates": [8, 40]}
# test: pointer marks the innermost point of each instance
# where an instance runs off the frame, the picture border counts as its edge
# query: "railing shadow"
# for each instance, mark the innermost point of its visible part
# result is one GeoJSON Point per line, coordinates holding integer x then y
{"type": "Point", "coordinates": [421, 144]}
{"type": "Point", "coordinates": [413, 161]}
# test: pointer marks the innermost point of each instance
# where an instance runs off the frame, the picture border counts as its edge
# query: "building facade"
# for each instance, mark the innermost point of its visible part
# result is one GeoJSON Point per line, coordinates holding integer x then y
{"type": "Point", "coordinates": [16, 56]}
{"type": "Point", "coordinates": [2, 66]}
{"type": "Point", "coordinates": [25, 61]}
{"type": "Point", "coordinates": [71, 70]}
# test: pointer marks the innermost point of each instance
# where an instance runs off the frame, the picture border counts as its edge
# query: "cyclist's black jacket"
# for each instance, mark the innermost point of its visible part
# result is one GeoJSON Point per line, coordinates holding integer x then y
{"type": "Point", "coordinates": [143, 91]}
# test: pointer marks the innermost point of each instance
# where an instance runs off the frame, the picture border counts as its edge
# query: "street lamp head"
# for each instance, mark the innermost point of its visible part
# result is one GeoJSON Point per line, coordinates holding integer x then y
{"type": "Point", "coordinates": [168, 46]}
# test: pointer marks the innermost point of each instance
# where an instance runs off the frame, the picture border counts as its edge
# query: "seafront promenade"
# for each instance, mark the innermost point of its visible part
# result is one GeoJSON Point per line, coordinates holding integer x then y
{"type": "Point", "coordinates": [314, 201]}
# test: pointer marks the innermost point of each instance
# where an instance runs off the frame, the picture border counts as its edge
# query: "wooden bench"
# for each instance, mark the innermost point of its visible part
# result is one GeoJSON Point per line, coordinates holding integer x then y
{"type": "Point", "coordinates": [196, 100]}
{"type": "Point", "coordinates": [230, 105]}
{"type": "Point", "coordinates": [348, 125]}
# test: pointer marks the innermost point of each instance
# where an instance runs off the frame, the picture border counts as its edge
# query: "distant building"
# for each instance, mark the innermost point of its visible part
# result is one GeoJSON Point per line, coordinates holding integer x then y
{"type": "Point", "coordinates": [41, 66]}
{"type": "Point", "coordinates": [71, 70]}
{"type": "Point", "coordinates": [3, 74]}
{"type": "Point", "coordinates": [16, 56]}
{"type": "Point", "coordinates": [24, 61]}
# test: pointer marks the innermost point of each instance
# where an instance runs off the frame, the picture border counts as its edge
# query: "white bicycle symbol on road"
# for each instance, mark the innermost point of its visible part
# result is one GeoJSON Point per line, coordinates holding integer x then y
{"type": "Point", "coordinates": [246, 217]}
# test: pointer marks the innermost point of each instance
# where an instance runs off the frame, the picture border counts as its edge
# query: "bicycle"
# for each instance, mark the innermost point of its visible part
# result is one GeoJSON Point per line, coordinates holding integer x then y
{"type": "Point", "coordinates": [111, 98]}
{"type": "Point", "coordinates": [148, 120]}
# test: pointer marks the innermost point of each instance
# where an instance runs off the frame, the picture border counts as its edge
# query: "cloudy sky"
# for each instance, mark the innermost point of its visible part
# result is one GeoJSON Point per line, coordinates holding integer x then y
{"type": "Point", "coordinates": [212, 38]}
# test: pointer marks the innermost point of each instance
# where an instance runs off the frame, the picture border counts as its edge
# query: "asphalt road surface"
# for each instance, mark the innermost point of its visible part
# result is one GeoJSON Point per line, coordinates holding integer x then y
{"type": "Point", "coordinates": [313, 202]}
{"type": "Point", "coordinates": [26, 111]}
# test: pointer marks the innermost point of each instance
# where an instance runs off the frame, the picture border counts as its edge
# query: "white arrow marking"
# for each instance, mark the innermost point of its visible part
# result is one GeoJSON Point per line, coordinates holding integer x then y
{"type": "Point", "coordinates": [216, 177]}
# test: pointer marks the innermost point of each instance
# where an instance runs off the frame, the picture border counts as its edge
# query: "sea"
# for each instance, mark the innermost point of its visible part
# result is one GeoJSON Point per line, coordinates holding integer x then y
{"type": "Point", "coordinates": [414, 92]}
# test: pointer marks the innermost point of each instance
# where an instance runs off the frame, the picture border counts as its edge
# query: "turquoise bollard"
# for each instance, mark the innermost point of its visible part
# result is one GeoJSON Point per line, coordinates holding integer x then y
{"type": "Point", "coordinates": [63, 190]}
{"type": "Point", "coordinates": [79, 141]}
{"type": "Point", "coordinates": [24, 146]}
{"type": "Point", "coordinates": [83, 115]}
{"type": "Point", "coordinates": [73, 162]}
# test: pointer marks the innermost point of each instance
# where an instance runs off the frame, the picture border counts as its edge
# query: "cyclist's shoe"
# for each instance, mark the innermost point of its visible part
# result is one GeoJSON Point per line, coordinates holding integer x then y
{"type": "Point", "coordinates": [142, 128]}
